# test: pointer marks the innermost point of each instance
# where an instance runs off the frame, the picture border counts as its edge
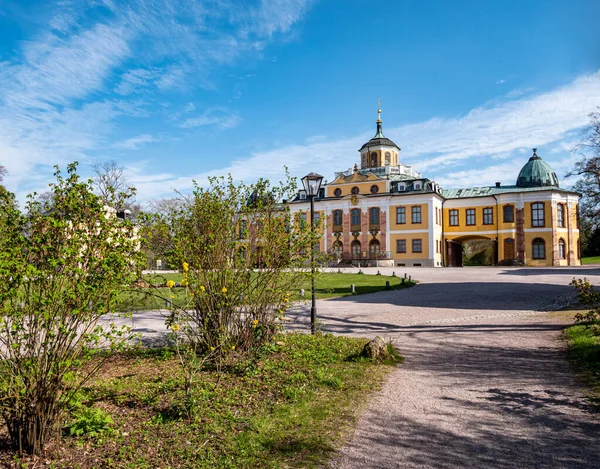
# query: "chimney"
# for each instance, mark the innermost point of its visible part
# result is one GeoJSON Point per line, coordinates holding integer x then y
{"type": "Point", "coordinates": [497, 184]}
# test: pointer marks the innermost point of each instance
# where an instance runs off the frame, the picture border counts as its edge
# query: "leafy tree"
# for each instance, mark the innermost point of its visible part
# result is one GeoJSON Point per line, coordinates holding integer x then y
{"type": "Point", "coordinates": [60, 271]}
{"type": "Point", "coordinates": [155, 230]}
{"type": "Point", "coordinates": [241, 254]}
{"type": "Point", "coordinates": [2, 173]}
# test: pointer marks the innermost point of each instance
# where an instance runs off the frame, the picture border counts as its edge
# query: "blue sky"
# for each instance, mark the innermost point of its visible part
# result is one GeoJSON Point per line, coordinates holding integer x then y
{"type": "Point", "coordinates": [176, 91]}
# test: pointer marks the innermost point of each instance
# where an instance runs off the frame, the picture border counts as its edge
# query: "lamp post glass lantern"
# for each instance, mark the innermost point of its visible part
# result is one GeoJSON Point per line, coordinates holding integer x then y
{"type": "Point", "coordinates": [312, 184]}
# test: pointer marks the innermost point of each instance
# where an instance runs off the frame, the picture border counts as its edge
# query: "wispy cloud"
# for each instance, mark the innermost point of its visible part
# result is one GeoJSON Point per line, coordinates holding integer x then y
{"type": "Point", "coordinates": [217, 117]}
{"type": "Point", "coordinates": [135, 143]}
{"type": "Point", "coordinates": [488, 144]}
{"type": "Point", "coordinates": [499, 82]}
{"type": "Point", "coordinates": [57, 100]}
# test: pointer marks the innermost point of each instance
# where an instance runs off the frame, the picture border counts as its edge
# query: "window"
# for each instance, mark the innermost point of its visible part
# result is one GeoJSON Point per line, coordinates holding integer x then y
{"type": "Point", "coordinates": [401, 245]}
{"type": "Point", "coordinates": [401, 187]}
{"type": "Point", "coordinates": [374, 217]}
{"type": "Point", "coordinates": [302, 218]}
{"type": "Point", "coordinates": [355, 219]}
{"type": "Point", "coordinates": [374, 189]}
{"type": "Point", "coordinates": [401, 215]}
{"type": "Point", "coordinates": [417, 245]}
{"type": "Point", "coordinates": [562, 249]}
{"type": "Point", "coordinates": [437, 246]}
{"type": "Point", "coordinates": [387, 158]}
{"type": "Point", "coordinates": [453, 217]}
{"type": "Point", "coordinates": [539, 248]}
{"type": "Point", "coordinates": [560, 215]}
{"type": "Point", "coordinates": [418, 186]}
{"type": "Point", "coordinates": [317, 219]}
{"type": "Point", "coordinates": [509, 213]}
{"type": "Point", "coordinates": [470, 216]}
{"type": "Point", "coordinates": [302, 195]}
{"type": "Point", "coordinates": [416, 214]}
{"type": "Point", "coordinates": [337, 192]}
{"type": "Point", "coordinates": [355, 248]}
{"type": "Point", "coordinates": [355, 190]}
{"type": "Point", "coordinates": [537, 216]}
{"type": "Point", "coordinates": [437, 216]}
{"type": "Point", "coordinates": [243, 229]}
{"type": "Point", "coordinates": [373, 159]}
{"type": "Point", "coordinates": [337, 218]}
{"type": "Point", "coordinates": [374, 249]}
{"type": "Point", "coordinates": [488, 216]}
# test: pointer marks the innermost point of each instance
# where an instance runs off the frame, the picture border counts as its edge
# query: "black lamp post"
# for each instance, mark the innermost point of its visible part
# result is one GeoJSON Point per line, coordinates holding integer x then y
{"type": "Point", "coordinates": [312, 184]}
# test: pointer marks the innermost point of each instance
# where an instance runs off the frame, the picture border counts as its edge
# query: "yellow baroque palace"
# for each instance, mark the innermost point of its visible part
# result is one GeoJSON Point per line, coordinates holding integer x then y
{"type": "Point", "coordinates": [384, 213]}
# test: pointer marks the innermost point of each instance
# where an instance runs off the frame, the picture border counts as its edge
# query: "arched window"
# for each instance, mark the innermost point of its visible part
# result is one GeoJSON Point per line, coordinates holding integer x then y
{"type": "Point", "coordinates": [338, 248]}
{"type": "Point", "coordinates": [337, 218]}
{"type": "Point", "coordinates": [562, 249]}
{"type": "Point", "coordinates": [560, 216]}
{"type": "Point", "coordinates": [355, 249]}
{"type": "Point", "coordinates": [388, 158]}
{"type": "Point", "coordinates": [537, 214]}
{"type": "Point", "coordinates": [364, 160]}
{"type": "Point", "coordinates": [355, 219]}
{"type": "Point", "coordinates": [538, 248]}
{"type": "Point", "coordinates": [337, 192]}
{"type": "Point", "coordinates": [374, 218]}
{"type": "Point", "coordinates": [374, 247]}
{"type": "Point", "coordinates": [373, 159]}
{"type": "Point", "coordinates": [355, 190]}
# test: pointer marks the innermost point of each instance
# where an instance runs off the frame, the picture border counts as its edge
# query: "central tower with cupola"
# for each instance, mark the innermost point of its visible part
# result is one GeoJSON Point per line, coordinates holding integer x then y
{"type": "Point", "coordinates": [379, 151]}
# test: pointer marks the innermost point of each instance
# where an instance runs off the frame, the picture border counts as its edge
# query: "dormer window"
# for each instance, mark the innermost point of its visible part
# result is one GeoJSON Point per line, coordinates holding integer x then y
{"type": "Point", "coordinates": [302, 195]}
{"type": "Point", "coordinates": [418, 186]}
{"type": "Point", "coordinates": [401, 187]}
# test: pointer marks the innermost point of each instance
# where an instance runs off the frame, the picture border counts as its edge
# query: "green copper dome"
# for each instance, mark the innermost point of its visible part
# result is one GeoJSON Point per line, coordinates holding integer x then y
{"type": "Point", "coordinates": [537, 173]}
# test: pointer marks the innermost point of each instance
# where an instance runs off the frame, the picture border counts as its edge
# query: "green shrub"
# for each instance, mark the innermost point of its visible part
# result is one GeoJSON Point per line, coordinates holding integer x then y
{"type": "Point", "coordinates": [90, 422]}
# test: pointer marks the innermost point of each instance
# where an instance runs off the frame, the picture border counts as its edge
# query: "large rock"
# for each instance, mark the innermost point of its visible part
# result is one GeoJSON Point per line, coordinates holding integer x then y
{"type": "Point", "coordinates": [376, 348]}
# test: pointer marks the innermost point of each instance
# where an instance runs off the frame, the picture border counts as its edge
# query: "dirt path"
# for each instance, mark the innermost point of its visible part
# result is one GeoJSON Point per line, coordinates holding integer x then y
{"type": "Point", "coordinates": [488, 393]}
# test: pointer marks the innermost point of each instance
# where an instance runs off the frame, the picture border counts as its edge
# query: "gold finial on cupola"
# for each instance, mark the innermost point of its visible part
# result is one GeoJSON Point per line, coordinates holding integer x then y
{"type": "Point", "coordinates": [379, 111]}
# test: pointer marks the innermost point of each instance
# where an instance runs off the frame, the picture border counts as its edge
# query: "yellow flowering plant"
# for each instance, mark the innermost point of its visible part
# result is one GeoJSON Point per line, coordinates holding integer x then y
{"type": "Point", "coordinates": [247, 252]}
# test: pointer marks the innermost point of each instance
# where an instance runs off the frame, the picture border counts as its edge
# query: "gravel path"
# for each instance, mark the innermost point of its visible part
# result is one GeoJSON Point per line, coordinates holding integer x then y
{"type": "Point", "coordinates": [485, 384]}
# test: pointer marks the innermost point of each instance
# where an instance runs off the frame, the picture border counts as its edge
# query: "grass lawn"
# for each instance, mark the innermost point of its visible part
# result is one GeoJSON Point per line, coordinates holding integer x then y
{"type": "Point", "coordinates": [328, 285]}
{"type": "Point", "coordinates": [590, 260]}
{"type": "Point", "coordinates": [584, 352]}
{"type": "Point", "coordinates": [288, 407]}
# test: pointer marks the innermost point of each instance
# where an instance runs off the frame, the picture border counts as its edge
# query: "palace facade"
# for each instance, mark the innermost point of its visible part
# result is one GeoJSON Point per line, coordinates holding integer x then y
{"type": "Point", "coordinates": [385, 213]}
